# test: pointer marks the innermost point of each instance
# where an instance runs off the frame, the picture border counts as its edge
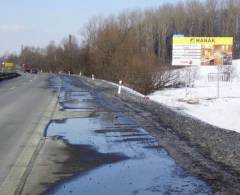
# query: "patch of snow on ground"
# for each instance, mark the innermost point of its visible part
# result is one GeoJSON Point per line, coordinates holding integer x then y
{"type": "Point", "coordinates": [201, 101]}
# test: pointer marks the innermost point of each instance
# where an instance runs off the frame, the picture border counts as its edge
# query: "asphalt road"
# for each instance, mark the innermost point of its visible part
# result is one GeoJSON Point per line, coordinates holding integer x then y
{"type": "Point", "coordinates": [23, 100]}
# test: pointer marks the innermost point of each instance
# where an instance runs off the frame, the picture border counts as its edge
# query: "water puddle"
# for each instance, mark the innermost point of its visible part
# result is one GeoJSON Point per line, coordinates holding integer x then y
{"type": "Point", "coordinates": [130, 160]}
{"type": "Point", "coordinates": [69, 101]}
{"type": "Point", "coordinates": [77, 100]}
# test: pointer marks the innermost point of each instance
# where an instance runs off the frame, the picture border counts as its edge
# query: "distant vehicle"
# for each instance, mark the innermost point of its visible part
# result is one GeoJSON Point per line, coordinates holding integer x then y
{"type": "Point", "coordinates": [34, 71]}
{"type": "Point", "coordinates": [26, 68]}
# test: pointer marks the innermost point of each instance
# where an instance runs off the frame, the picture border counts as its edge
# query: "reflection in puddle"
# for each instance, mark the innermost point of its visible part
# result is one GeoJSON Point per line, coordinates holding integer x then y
{"type": "Point", "coordinates": [146, 168]}
{"type": "Point", "coordinates": [75, 98]}
{"type": "Point", "coordinates": [77, 101]}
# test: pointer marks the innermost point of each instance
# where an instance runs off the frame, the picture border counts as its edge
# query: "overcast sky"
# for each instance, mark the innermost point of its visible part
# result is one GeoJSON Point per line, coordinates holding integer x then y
{"type": "Point", "coordinates": [36, 22]}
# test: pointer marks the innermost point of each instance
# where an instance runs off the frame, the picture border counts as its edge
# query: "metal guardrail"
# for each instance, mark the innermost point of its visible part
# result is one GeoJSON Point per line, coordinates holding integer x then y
{"type": "Point", "coordinates": [6, 76]}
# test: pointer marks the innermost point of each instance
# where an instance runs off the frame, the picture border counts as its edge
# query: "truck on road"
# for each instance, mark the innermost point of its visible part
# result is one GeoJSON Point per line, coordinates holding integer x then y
{"type": "Point", "coordinates": [26, 68]}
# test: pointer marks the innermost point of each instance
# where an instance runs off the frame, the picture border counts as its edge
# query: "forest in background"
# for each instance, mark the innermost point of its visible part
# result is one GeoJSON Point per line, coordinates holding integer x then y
{"type": "Point", "coordinates": [135, 46]}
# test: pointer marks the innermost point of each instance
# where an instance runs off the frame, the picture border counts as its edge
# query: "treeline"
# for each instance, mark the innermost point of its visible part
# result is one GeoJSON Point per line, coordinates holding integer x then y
{"type": "Point", "coordinates": [136, 46]}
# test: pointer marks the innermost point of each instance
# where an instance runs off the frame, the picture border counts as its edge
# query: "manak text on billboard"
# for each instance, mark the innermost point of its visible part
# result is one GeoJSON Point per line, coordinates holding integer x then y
{"type": "Point", "coordinates": [197, 51]}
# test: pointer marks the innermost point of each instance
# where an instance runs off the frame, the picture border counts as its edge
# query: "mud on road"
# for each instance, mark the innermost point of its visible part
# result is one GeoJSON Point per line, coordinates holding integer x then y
{"type": "Point", "coordinates": [103, 145]}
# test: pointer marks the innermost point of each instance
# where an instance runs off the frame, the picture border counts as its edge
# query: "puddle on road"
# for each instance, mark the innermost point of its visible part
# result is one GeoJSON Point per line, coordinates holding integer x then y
{"type": "Point", "coordinates": [137, 164]}
{"type": "Point", "coordinates": [72, 98]}
{"type": "Point", "coordinates": [116, 156]}
{"type": "Point", "coordinates": [80, 103]}
{"type": "Point", "coordinates": [75, 96]}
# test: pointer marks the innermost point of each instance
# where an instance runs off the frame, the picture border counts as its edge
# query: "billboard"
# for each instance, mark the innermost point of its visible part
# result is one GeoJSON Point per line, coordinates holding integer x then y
{"type": "Point", "coordinates": [8, 65]}
{"type": "Point", "coordinates": [195, 51]}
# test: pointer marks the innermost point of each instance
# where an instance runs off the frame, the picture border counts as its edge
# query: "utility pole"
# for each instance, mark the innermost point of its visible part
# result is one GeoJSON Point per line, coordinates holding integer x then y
{"type": "Point", "coordinates": [70, 51]}
{"type": "Point", "coordinates": [159, 45]}
{"type": "Point", "coordinates": [22, 56]}
{"type": "Point", "coordinates": [22, 47]}
{"type": "Point", "coordinates": [237, 35]}
{"type": "Point", "coordinates": [237, 24]}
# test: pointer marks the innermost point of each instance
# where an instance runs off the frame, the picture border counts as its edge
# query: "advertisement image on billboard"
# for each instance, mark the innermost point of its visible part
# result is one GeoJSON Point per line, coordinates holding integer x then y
{"type": "Point", "coordinates": [8, 65]}
{"type": "Point", "coordinates": [188, 51]}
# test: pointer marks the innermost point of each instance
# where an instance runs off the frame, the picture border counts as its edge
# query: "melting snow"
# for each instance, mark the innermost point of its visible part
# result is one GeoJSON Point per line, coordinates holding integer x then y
{"type": "Point", "coordinates": [201, 102]}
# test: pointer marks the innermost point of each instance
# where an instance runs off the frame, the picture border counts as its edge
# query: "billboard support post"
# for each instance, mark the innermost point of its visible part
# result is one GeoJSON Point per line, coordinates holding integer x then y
{"type": "Point", "coordinates": [186, 85]}
{"type": "Point", "coordinates": [188, 80]}
{"type": "Point", "coordinates": [218, 81]}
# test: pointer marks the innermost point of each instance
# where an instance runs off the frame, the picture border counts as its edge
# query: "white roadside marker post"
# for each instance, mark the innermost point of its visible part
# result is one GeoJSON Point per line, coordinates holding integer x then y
{"type": "Point", "coordinates": [119, 87]}
{"type": "Point", "coordinates": [93, 77]}
{"type": "Point", "coordinates": [80, 74]}
{"type": "Point", "coordinates": [69, 73]}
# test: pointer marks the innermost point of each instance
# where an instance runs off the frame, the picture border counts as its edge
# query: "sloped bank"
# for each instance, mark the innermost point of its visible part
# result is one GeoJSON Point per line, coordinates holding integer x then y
{"type": "Point", "coordinates": [220, 145]}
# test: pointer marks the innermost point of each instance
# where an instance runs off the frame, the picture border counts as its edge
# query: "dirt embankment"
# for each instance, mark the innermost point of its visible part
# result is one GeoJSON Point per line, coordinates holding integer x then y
{"type": "Point", "coordinates": [204, 150]}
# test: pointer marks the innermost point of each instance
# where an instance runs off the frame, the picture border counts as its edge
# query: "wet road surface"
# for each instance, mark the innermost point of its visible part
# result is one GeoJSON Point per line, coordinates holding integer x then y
{"type": "Point", "coordinates": [141, 167]}
{"type": "Point", "coordinates": [105, 152]}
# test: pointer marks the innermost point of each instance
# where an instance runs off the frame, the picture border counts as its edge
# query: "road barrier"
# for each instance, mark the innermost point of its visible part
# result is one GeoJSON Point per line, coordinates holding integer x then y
{"type": "Point", "coordinates": [6, 76]}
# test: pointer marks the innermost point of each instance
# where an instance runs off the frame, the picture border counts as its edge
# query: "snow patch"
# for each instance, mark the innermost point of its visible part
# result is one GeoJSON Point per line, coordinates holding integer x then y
{"type": "Point", "coordinates": [200, 101]}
